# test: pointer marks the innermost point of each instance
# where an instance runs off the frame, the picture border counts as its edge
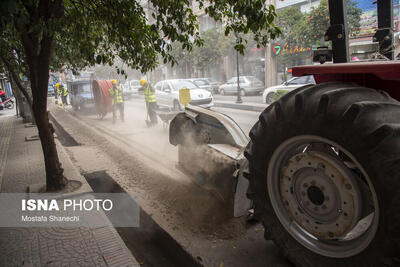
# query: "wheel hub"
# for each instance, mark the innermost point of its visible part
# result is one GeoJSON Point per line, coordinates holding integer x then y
{"type": "Point", "coordinates": [315, 195]}
{"type": "Point", "coordinates": [320, 194]}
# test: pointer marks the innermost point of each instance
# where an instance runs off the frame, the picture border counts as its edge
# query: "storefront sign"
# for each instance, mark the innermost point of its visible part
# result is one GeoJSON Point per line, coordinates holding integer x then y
{"type": "Point", "coordinates": [285, 48]}
{"type": "Point", "coordinates": [276, 48]}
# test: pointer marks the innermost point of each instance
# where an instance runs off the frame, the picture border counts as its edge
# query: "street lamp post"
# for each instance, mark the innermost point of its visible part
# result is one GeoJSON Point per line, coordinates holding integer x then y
{"type": "Point", "coordinates": [239, 97]}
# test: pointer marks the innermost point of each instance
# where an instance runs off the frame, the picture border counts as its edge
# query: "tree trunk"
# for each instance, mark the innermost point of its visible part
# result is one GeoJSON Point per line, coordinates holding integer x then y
{"type": "Point", "coordinates": [38, 50]}
{"type": "Point", "coordinates": [55, 179]}
{"type": "Point", "coordinates": [18, 98]}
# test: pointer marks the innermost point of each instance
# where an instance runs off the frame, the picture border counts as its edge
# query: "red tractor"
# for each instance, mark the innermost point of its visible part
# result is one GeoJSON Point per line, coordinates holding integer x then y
{"type": "Point", "coordinates": [322, 162]}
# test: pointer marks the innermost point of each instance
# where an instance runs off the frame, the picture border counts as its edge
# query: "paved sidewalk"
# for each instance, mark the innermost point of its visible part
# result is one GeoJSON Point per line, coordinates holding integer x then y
{"type": "Point", "coordinates": [21, 164]}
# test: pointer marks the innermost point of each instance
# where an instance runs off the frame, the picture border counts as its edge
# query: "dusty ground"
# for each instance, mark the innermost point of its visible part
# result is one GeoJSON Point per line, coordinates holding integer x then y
{"type": "Point", "coordinates": [142, 161]}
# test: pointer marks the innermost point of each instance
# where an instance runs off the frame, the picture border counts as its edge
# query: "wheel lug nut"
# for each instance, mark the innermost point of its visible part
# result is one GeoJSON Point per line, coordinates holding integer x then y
{"type": "Point", "coordinates": [327, 198]}
{"type": "Point", "coordinates": [330, 234]}
{"type": "Point", "coordinates": [321, 166]}
{"type": "Point", "coordinates": [305, 185]}
{"type": "Point", "coordinates": [322, 188]}
{"type": "Point", "coordinates": [324, 207]}
{"type": "Point", "coordinates": [313, 183]}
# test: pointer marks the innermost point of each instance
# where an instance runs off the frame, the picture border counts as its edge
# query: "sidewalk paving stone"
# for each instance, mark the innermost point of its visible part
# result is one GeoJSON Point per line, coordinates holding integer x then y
{"type": "Point", "coordinates": [21, 164]}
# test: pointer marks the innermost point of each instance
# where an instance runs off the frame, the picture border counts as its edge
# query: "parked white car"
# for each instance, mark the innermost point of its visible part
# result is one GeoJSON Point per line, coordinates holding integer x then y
{"type": "Point", "coordinates": [273, 93]}
{"type": "Point", "coordinates": [134, 86]}
{"type": "Point", "coordinates": [167, 94]}
{"type": "Point", "coordinates": [248, 85]}
{"type": "Point", "coordinates": [130, 88]}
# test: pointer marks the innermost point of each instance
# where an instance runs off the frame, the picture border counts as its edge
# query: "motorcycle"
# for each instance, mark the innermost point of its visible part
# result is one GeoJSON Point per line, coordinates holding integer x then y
{"type": "Point", "coordinates": [8, 103]}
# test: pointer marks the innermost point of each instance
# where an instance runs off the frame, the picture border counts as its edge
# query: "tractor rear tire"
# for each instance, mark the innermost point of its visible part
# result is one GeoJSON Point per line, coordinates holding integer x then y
{"type": "Point", "coordinates": [355, 125]}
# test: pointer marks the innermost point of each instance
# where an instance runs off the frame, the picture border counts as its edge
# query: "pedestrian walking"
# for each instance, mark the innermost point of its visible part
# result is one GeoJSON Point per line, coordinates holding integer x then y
{"type": "Point", "coordinates": [151, 103]}
{"type": "Point", "coordinates": [117, 101]}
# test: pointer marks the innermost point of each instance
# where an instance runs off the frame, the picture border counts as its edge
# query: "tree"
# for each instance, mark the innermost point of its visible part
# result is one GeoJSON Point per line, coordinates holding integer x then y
{"type": "Point", "coordinates": [313, 26]}
{"type": "Point", "coordinates": [353, 18]}
{"type": "Point", "coordinates": [288, 22]}
{"type": "Point", "coordinates": [54, 33]}
{"type": "Point", "coordinates": [209, 53]}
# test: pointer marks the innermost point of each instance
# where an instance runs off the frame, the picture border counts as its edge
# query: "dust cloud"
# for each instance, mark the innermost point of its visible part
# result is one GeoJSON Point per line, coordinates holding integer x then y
{"type": "Point", "coordinates": [143, 162]}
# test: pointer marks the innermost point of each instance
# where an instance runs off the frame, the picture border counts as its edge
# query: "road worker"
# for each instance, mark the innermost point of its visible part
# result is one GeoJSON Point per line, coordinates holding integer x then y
{"type": "Point", "coordinates": [63, 93]}
{"type": "Point", "coordinates": [151, 103]}
{"type": "Point", "coordinates": [117, 101]}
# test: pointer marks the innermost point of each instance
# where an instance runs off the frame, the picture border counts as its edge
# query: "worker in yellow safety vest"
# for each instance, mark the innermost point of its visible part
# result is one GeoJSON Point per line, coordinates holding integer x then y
{"type": "Point", "coordinates": [151, 102]}
{"type": "Point", "coordinates": [117, 101]}
{"type": "Point", "coordinates": [63, 93]}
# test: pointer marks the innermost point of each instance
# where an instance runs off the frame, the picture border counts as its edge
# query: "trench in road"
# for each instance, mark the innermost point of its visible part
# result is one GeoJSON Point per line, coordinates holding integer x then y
{"type": "Point", "coordinates": [149, 243]}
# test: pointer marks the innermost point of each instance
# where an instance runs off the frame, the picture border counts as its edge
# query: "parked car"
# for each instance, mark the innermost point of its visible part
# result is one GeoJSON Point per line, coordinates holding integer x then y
{"type": "Point", "coordinates": [214, 84]}
{"type": "Point", "coordinates": [134, 86]}
{"type": "Point", "coordinates": [248, 85]}
{"type": "Point", "coordinates": [209, 84]}
{"type": "Point", "coordinates": [81, 95]}
{"type": "Point", "coordinates": [273, 93]}
{"type": "Point", "coordinates": [167, 94]}
{"type": "Point", "coordinates": [130, 88]}
{"type": "Point", "coordinates": [202, 83]}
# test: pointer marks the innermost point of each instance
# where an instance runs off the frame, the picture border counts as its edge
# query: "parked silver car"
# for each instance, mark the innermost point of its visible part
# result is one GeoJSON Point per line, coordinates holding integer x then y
{"type": "Point", "coordinates": [209, 84]}
{"type": "Point", "coordinates": [167, 94]}
{"type": "Point", "coordinates": [202, 83]}
{"type": "Point", "coordinates": [214, 84]}
{"type": "Point", "coordinates": [248, 85]}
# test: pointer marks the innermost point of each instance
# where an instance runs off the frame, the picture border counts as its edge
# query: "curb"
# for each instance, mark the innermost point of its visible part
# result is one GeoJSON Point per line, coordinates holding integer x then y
{"type": "Point", "coordinates": [247, 107]}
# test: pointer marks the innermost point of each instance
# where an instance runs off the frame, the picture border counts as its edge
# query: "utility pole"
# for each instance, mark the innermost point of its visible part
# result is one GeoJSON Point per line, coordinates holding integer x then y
{"type": "Point", "coordinates": [239, 97]}
{"type": "Point", "coordinates": [271, 65]}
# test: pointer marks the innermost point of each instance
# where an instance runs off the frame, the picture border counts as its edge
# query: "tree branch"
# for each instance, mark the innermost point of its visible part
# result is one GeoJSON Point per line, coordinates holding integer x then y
{"type": "Point", "coordinates": [17, 81]}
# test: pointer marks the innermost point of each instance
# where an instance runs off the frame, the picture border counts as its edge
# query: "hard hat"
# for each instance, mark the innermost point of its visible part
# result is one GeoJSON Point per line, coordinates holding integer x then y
{"type": "Point", "coordinates": [142, 82]}
{"type": "Point", "coordinates": [57, 85]}
{"type": "Point", "coordinates": [114, 81]}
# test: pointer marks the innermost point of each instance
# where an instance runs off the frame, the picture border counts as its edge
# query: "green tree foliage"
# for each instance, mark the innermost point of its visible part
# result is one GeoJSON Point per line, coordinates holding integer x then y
{"type": "Point", "coordinates": [353, 18]}
{"type": "Point", "coordinates": [44, 34]}
{"type": "Point", "coordinates": [208, 53]}
{"type": "Point", "coordinates": [313, 25]}
{"type": "Point", "coordinates": [288, 21]}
